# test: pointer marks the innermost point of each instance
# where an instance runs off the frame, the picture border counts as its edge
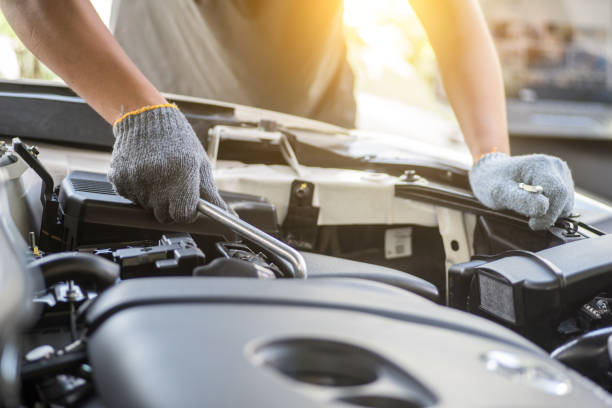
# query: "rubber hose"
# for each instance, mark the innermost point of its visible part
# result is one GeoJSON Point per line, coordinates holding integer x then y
{"type": "Point", "coordinates": [79, 267]}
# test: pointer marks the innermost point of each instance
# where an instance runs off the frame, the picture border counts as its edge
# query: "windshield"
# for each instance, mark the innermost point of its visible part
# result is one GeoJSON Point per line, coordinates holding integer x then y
{"type": "Point", "coordinates": [554, 49]}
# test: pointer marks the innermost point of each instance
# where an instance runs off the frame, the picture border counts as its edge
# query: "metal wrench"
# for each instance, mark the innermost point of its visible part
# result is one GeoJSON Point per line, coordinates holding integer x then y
{"type": "Point", "coordinates": [257, 236]}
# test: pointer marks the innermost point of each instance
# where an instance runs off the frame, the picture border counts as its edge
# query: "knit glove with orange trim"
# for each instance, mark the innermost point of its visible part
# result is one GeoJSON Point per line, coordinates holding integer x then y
{"type": "Point", "coordinates": [537, 186]}
{"type": "Point", "coordinates": [159, 163]}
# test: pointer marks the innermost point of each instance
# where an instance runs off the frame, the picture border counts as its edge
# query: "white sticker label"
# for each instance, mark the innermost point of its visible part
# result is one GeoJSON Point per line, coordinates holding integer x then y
{"type": "Point", "coordinates": [398, 243]}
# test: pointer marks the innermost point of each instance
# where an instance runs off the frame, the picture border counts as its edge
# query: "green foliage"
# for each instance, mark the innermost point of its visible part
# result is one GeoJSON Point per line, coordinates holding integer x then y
{"type": "Point", "coordinates": [29, 65]}
{"type": "Point", "coordinates": [5, 28]}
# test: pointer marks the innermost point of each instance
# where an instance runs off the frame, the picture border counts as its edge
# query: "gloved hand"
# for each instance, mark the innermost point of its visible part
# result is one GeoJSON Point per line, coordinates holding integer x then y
{"type": "Point", "coordinates": [495, 182]}
{"type": "Point", "coordinates": [159, 163]}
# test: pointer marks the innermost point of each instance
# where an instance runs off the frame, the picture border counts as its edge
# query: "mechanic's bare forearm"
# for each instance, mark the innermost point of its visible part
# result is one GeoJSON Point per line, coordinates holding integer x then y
{"type": "Point", "coordinates": [69, 37]}
{"type": "Point", "coordinates": [470, 71]}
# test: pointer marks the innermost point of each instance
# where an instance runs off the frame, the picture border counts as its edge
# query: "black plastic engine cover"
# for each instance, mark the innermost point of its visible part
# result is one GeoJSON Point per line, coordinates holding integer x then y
{"type": "Point", "coordinates": [532, 292]}
{"type": "Point", "coordinates": [234, 342]}
{"type": "Point", "coordinates": [93, 213]}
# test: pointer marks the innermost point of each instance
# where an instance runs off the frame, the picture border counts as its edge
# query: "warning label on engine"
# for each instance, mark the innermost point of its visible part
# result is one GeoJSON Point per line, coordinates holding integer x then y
{"type": "Point", "coordinates": [398, 243]}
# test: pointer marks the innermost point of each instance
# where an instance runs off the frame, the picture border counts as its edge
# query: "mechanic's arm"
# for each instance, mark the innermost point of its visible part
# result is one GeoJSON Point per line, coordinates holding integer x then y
{"type": "Point", "coordinates": [70, 38]}
{"type": "Point", "coordinates": [472, 78]}
{"type": "Point", "coordinates": [157, 159]}
{"type": "Point", "coordinates": [469, 69]}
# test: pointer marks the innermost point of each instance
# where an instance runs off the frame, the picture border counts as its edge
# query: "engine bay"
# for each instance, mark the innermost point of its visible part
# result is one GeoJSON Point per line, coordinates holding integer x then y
{"type": "Point", "coordinates": [89, 243]}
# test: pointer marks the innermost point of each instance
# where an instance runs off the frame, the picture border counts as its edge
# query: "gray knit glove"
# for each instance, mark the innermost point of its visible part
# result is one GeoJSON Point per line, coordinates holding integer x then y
{"type": "Point", "coordinates": [159, 163]}
{"type": "Point", "coordinates": [495, 182]}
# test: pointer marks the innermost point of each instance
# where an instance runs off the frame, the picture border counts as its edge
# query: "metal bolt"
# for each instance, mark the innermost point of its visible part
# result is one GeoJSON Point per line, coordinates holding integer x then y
{"type": "Point", "coordinates": [34, 151]}
{"type": "Point", "coordinates": [368, 157]}
{"type": "Point", "coordinates": [531, 189]}
{"type": "Point", "coordinates": [72, 294]}
{"type": "Point", "coordinates": [302, 190]}
{"type": "Point", "coordinates": [410, 175]}
{"type": "Point", "coordinates": [32, 239]}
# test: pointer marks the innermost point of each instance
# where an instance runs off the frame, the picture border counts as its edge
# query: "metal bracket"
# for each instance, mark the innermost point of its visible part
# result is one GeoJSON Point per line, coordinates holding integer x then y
{"type": "Point", "coordinates": [300, 225]}
{"type": "Point", "coordinates": [50, 229]}
{"type": "Point", "coordinates": [457, 231]}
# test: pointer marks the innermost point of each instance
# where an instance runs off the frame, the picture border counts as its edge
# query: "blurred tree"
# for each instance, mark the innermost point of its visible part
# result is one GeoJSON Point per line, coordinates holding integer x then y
{"type": "Point", "coordinates": [10, 47]}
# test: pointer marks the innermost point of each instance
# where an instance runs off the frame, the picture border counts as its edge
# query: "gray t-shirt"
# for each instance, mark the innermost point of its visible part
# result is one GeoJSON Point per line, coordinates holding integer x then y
{"type": "Point", "coordinates": [284, 55]}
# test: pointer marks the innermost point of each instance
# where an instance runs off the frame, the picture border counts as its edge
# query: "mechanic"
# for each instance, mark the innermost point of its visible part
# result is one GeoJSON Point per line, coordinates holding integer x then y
{"type": "Point", "coordinates": [284, 55]}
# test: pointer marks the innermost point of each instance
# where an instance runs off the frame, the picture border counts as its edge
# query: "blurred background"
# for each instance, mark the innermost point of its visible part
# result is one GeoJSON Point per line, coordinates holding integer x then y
{"type": "Point", "coordinates": [16, 62]}
{"type": "Point", "coordinates": [387, 46]}
{"type": "Point", "coordinates": [556, 57]}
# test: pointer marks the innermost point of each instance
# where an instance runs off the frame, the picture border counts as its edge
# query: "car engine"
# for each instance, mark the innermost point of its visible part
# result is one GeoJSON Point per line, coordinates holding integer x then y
{"type": "Point", "coordinates": [115, 280]}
